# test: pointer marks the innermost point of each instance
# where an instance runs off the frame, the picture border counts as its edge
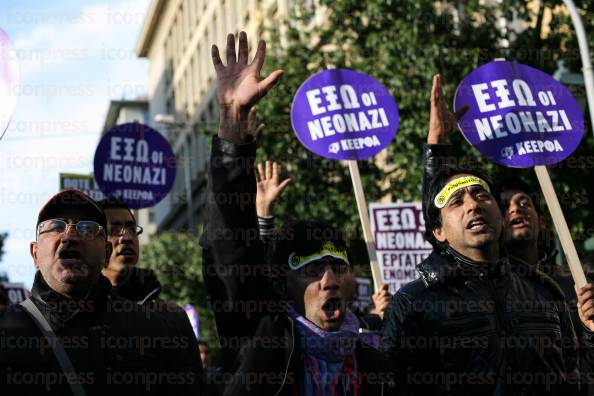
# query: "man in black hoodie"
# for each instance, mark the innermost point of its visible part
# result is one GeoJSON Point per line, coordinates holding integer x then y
{"type": "Point", "coordinates": [128, 280]}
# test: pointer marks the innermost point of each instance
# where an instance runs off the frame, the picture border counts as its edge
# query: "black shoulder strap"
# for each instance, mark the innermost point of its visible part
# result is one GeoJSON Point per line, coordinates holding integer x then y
{"type": "Point", "coordinates": [55, 344]}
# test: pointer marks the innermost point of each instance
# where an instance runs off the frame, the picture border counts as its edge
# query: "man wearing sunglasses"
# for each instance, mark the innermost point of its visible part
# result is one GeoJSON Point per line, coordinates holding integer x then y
{"type": "Point", "coordinates": [74, 335]}
{"type": "Point", "coordinates": [128, 280]}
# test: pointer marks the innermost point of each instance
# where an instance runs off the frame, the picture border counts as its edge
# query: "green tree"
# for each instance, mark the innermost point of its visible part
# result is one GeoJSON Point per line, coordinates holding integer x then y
{"type": "Point", "coordinates": [176, 259]}
{"type": "Point", "coordinates": [403, 44]}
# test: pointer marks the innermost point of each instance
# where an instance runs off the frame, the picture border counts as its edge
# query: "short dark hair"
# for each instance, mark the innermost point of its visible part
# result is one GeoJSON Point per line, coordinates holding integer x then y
{"type": "Point", "coordinates": [431, 213]}
{"type": "Point", "coordinates": [509, 182]}
{"type": "Point", "coordinates": [115, 203]}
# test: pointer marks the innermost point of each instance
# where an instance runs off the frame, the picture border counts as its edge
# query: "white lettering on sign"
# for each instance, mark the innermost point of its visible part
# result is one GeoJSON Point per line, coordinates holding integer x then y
{"type": "Point", "coordinates": [538, 146]}
{"type": "Point", "coordinates": [119, 173]}
{"type": "Point", "coordinates": [482, 97]}
{"type": "Point", "coordinates": [115, 148]}
{"type": "Point", "coordinates": [347, 122]}
{"type": "Point", "coordinates": [333, 98]}
{"type": "Point", "coordinates": [522, 95]}
{"type": "Point", "coordinates": [133, 151]}
{"type": "Point", "coordinates": [359, 143]}
{"type": "Point", "coordinates": [494, 127]}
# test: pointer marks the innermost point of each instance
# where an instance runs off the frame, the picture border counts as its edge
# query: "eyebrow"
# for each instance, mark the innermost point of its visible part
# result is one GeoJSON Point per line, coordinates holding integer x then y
{"type": "Point", "coordinates": [456, 194]}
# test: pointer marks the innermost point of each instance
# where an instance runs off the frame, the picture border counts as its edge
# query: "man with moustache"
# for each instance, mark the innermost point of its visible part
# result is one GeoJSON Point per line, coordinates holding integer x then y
{"type": "Point", "coordinates": [477, 321]}
{"type": "Point", "coordinates": [73, 335]}
{"type": "Point", "coordinates": [285, 328]}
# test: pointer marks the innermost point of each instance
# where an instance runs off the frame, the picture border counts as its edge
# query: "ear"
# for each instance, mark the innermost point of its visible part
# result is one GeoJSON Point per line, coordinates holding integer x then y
{"type": "Point", "coordinates": [439, 234]}
{"type": "Point", "coordinates": [108, 250]}
{"type": "Point", "coordinates": [33, 252]}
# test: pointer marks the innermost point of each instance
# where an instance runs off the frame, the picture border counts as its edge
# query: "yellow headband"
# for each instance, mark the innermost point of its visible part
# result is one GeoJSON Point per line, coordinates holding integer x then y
{"type": "Point", "coordinates": [328, 249]}
{"type": "Point", "coordinates": [456, 184]}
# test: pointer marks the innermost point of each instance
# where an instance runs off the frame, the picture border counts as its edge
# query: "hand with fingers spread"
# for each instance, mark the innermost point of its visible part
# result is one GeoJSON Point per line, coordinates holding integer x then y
{"type": "Point", "coordinates": [585, 305]}
{"type": "Point", "coordinates": [381, 300]}
{"type": "Point", "coordinates": [441, 120]}
{"type": "Point", "coordinates": [239, 86]}
{"type": "Point", "coordinates": [268, 187]}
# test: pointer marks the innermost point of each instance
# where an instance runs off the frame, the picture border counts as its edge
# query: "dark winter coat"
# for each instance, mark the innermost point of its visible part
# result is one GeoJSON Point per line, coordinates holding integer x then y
{"type": "Point", "coordinates": [117, 346]}
{"type": "Point", "coordinates": [261, 353]}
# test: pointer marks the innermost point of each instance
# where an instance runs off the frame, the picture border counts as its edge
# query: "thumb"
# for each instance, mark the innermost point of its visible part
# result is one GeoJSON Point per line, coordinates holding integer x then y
{"type": "Point", "coordinates": [265, 85]}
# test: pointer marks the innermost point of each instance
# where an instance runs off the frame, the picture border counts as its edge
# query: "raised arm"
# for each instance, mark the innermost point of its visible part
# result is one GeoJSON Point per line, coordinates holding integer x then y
{"type": "Point", "coordinates": [239, 86]}
{"type": "Point", "coordinates": [442, 122]}
{"type": "Point", "coordinates": [232, 250]}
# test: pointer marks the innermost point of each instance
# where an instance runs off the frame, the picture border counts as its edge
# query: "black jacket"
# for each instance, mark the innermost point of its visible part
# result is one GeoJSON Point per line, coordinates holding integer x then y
{"type": "Point", "coordinates": [261, 353]}
{"type": "Point", "coordinates": [138, 284]}
{"type": "Point", "coordinates": [464, 329]}
{"type": "Point", "coordinates": [436, 156]}
{"type": "Point", "coordinates": [117, 346]}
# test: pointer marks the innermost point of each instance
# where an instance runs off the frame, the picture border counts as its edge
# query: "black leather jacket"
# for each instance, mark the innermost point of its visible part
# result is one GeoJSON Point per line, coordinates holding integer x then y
{"type": "Point", "coordinates": [463, 328]}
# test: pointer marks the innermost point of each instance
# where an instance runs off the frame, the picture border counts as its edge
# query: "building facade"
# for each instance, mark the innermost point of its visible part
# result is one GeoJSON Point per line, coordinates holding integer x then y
{"type": "Point", "coordinates": [176, 37]}
{"type": "Point", "coordinates": [122, 112]}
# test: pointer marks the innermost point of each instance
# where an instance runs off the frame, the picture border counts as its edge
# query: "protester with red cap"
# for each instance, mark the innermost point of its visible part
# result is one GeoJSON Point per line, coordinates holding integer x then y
{"type": "Point", "coordinates": [73, 335]}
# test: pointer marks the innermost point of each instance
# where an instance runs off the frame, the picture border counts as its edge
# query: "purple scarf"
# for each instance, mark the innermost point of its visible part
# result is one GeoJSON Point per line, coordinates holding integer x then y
{"type": "Point", "coordinates": [329, 356]}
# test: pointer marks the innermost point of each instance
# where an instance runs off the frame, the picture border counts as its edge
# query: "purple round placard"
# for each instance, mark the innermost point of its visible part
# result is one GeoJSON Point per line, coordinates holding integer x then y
{"type": "Point", "coordinates": [9, 81]}
{"type": "Point", "coordinates": [135, 163]}
{"type": "Point", "coordinates": [518, 116]}
{"type": "Point", "coordinates": [344, 115]}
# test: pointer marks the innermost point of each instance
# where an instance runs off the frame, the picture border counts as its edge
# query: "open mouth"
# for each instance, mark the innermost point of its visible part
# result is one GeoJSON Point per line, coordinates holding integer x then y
{"type": "Point", "coordinates": [477, 224]}
{"type": "Point", "coordinates": [332, 308]}
{"type": "Point", "coordinates": [127, 252]}
{"type": "Point", "coordinates": [69, 257]}
{"type": "Point", "coordinates": [518, 222]}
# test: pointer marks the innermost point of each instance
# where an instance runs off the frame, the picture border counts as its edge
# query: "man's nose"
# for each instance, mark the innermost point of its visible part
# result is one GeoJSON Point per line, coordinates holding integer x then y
{"type": "Point", "coordinates": [70, 232]}
{"type": "Point", "coordinates": [470, 204]}
{"type": "Point", "coordinates": [329, 280]}
{"type": "Point", "coordinates": [513, 208]}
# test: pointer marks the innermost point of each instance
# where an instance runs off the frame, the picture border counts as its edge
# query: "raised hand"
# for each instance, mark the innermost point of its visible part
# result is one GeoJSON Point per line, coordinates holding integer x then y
{"type": "Point", "coordinates": [441, 120]}
{"type": "Point", "coordinates": [268, 187]}
{"type": "Point", "coordinates": [239, 86]}
{"type": "Point", "coordinates": [585, 305]}
{"type": "Point", "coordinates": [381, 300]}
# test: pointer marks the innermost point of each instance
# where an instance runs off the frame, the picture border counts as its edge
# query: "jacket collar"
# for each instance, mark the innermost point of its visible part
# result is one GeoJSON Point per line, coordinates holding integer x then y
{"type": "Point", "coordinates": [441, 267]}
{"type": "Point", "coordinates": [60, 310]}
{"type": "Point", "coordinates": [138, 284]}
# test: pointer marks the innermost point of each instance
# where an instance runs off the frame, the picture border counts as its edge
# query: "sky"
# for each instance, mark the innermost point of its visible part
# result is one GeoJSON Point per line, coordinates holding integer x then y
{"type": "Point", "coordinates": [74, 57]}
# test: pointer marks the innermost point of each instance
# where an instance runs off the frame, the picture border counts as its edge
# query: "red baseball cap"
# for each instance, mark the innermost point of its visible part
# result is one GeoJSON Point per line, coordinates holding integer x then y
{"type": "Point", "coordinates": [72, 199]}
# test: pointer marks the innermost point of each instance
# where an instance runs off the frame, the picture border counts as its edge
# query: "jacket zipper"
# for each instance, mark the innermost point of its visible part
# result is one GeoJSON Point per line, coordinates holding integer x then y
{"type": "Point", "coordinates": [290, 357]}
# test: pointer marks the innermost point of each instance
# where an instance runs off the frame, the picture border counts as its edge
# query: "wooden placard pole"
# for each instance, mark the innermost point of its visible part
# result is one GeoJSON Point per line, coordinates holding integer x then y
{"type": "Point", "coordinates": [364, 217]}
{"type": "Point", "coordinates": [575, 266]}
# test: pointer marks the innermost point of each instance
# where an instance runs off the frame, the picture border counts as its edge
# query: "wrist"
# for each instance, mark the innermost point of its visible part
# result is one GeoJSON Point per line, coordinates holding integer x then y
{"type": "Point", "coordinates": [434, 138]}
{"type": "Point", "coordinates": [232, 123]}
{"type": "Point", "coordinates": [263, 210]}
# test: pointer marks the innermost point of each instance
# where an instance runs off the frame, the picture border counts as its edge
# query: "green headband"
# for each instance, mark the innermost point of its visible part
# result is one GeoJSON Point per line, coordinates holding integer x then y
{"type": "Point", "coordinates": [328, 249]}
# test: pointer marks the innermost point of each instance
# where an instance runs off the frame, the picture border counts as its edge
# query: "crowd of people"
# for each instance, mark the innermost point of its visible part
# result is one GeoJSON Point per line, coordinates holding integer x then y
{"type": "Point", "coordinates": [491, 313]}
